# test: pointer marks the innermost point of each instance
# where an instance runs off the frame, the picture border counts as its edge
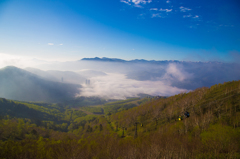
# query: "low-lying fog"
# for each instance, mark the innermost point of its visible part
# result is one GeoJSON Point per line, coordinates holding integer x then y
{"type": "Point", "coordinates": [117, 86]}
{"type": "Point", "coordinates": [119, 80]}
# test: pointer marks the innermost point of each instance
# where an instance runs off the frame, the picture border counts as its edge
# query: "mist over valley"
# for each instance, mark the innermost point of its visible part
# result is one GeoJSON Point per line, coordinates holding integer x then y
{"type": "Point", "coordinates": [112, 78]}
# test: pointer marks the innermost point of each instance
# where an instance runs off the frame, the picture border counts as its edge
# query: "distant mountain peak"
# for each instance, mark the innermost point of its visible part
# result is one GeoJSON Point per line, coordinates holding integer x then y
{"type": "Point", "coordinates": [103, 59]}
{"type": "Point", "coordinates": [10, 67]}
{"type": "Point", "coordinates": [16, 70]}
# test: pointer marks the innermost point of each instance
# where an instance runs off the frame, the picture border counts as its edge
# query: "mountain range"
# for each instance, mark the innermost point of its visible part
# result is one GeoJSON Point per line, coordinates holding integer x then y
{"type": "Point", "coordinates": [106, 59]}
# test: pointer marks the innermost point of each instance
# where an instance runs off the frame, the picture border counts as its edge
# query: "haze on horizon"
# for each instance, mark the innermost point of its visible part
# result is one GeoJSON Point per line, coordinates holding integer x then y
{"type": "Point", "coordinates": [55, 35]}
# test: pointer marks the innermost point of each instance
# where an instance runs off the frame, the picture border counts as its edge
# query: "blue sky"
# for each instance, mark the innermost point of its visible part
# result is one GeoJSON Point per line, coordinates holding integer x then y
{"type": "Point", "coordinates": [128, 29]}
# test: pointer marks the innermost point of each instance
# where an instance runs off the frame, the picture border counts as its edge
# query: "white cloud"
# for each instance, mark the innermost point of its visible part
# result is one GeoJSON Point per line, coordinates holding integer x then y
{"type": "Point", "coordinates": [184, 9]}
{"type": "Point", "coordinates": [126, 2]}
{"type": "Point", "coordinates": [60, 44]}
{"type": "Point", "coordinates": [117, 86]}
{"type": "Point", "coordinates": [141, 1]}
{"type": "Point", "coordinates": [136, 3]}
{"type": "Point", "coordinates": [167, 1]}
{"type": "Point", "coordinates": [176, 72]}
{"type": "Point", "coordinates": [168, 10]}
{"type": "Point", "coordinates": [50, 44]}
{"type": "Point", "coordinates": [165, 10]}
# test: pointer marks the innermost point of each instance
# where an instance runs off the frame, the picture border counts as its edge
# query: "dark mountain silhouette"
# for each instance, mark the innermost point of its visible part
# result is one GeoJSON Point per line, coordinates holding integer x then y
{"type": "Point", "coordinates": [18, 84]}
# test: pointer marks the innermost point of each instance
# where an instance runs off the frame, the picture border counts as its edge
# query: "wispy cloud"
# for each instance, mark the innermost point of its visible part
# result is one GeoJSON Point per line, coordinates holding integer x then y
{"type": "Point", "coordinates": [60, 44]}
{"type": "Point", "coordinates": [165, 10]}
{"type": "Point", "coordinates": [141, 1]}
{"type": "Point", "coordinates": [184, 9]}
{"type": "Point", "coordinates": [126, 2]}
{"type": "Point", "coordinates": [161, 13]}
{"type": "Point", "coordinates": [136, 3]}
{"type": "Point", "coordinates": [50, 44]}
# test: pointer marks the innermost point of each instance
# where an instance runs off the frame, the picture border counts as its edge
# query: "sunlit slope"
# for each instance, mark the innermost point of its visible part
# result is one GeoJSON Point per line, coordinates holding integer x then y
{"type": "Point", "coordinates": [18, 84]}
{"type": "Point", "coordinates": [205, 105]}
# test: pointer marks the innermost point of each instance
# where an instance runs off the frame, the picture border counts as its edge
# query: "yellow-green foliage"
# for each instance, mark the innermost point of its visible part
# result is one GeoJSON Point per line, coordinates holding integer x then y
{"type": "Point", "coordinates": [211, 131]}
{"type": "Point", "coordinates": [221, 138]}
{"type": "Point", "coordinates": [94, 110]}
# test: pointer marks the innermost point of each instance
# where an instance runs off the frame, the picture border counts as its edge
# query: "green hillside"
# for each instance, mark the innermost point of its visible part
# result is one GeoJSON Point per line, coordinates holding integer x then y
{"type": "Point", "coordinates": [96, 105]}
{"type": "Point", "coordinates": [149, 130]}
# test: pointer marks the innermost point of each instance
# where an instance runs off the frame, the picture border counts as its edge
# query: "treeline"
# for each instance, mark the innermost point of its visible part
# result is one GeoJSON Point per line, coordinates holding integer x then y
{"type": "Point", "coordinates": [94, 110]}
{"type": "Point", "coordinates": [150, 130]}
{"type": "Point", "coordinates": [115, 106]}
{"type": "Point", "coordinates": [118, 106]}
{"type": "Point", "coordinates": [84, 101]}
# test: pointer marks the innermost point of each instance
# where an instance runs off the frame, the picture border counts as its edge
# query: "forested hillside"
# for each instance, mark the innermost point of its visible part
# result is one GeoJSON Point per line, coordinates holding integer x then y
{"type": "Point", "coordinates": [149, 130]}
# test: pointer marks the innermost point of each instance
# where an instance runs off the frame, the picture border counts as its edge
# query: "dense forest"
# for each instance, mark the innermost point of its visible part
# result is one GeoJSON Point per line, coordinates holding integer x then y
{"type": "Point", "coordinates": [132, 128]}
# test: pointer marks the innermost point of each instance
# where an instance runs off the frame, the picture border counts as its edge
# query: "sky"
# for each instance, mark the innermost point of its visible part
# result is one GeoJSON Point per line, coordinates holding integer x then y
{"type": "Point", "coordinates": [63, 30]}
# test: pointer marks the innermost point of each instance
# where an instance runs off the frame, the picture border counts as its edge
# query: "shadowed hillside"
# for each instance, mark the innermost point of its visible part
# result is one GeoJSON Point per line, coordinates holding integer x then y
{"type": "Point", "coordinates": [19, 84]}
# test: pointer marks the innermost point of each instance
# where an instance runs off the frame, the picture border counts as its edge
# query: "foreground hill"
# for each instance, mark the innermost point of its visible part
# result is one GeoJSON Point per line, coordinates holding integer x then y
{"type": "Point", "coordinates": [18, 84]}
{"type": "Point", "coordinates": [150, 130]}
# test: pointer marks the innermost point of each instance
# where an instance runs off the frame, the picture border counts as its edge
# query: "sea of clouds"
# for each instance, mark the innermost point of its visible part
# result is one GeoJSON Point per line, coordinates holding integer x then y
{"type": "Point", "coordinates": [118, 80]}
